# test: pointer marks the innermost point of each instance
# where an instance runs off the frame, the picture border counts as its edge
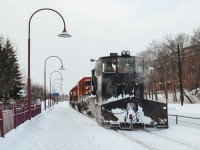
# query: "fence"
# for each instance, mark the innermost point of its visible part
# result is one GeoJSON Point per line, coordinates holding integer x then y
{"type": "Point", "coordinates": [195, 121]}
{"type": "Point", "coordinates": [14, 115]}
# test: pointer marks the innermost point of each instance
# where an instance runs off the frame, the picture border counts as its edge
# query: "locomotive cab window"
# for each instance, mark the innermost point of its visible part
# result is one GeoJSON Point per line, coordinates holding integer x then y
{"type": "Point", "coordinates": [125, 65]}
{"type": "Point", "coordinates": [87, 85]}
{"type": "Point", "coordinates": [109, 65]}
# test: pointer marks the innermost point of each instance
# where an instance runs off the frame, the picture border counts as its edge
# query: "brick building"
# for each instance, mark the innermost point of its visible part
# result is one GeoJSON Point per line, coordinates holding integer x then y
{"type": "Point", "coordinates": [191, 67]}
{"type": "Point", "coordinates": [166, 69]}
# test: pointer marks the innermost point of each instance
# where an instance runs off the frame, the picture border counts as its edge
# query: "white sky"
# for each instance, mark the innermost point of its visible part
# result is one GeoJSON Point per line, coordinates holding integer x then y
{"type": "Point", "coordinates": [98, 27]}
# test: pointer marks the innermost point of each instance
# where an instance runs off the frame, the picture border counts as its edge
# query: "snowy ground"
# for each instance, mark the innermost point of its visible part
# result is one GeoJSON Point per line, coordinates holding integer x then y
{"type": "Point", "coordinates": [62, 128]}
{"type": "Point", "coordinates": [185, 110]}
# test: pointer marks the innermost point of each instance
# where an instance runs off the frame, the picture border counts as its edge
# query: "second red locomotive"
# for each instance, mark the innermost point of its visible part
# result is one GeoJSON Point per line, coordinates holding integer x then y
{"type": "Point", "coordinates": [79, 93]}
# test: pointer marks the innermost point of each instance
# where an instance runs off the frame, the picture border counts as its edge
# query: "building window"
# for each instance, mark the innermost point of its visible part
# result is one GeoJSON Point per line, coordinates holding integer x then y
{"type": "Point", "coordinates": [192, 75]}
{"type": "Point", "coordinates": [161, 86]}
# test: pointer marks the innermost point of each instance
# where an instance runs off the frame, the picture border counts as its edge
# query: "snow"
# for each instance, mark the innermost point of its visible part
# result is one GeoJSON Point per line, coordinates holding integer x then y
{"type": "Point", "coordinates": [118, 98]}
{"type": "Point", "coordinates": [185, 110]}
{"type": "Point", "coordinates": [194, 97]}
{"type": "Point", "coordinates": [174, 138]}
{"type": "Point", "coordinates": [63, 128]}
{"type": "Point", "coordinates": [121, 114]}
{"type": "Point", "coordinates": [142, 118]}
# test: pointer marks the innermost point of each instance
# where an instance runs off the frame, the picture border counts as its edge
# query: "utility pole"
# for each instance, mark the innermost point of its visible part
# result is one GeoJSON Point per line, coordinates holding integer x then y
{"type": "Point", "coordinates": [180, 77]}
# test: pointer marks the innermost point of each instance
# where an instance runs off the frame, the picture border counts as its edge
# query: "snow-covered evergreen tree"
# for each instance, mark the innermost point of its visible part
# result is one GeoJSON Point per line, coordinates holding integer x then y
{"type": "Point", "coordinates": [11, 78]}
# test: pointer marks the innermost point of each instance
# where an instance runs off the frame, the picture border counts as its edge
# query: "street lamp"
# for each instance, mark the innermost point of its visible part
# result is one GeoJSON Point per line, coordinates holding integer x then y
{"type": "Point", "coordinates": [50, 83]}
{"type": "Point", "coordinates": [92, 60]}
{"type": "Point", "coordinates": [61, 68]}
{"type": "Point", "coordinates": [63, 34]}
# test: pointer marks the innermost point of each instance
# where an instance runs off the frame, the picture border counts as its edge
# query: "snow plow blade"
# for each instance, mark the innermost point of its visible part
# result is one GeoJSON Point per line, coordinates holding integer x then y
{"type": "Point", "coordinates": [133, 112]}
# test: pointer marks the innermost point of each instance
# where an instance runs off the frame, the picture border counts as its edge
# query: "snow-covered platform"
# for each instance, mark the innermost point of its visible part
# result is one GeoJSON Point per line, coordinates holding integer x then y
{"type": "Point", "coordinates": [63, 128]}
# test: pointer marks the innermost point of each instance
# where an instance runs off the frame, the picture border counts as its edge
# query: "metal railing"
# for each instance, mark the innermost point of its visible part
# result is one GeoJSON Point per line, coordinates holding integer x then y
{"type": "Point", "coordinates": [15, 115]}
{"type": "Point", "coordinates": [186, 119]}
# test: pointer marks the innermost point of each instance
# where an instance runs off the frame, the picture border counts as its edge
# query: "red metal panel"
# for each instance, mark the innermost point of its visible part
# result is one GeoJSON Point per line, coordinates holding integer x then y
{"type": "Point", "coordinates": [1, 123]}
{"type": "Point", "coordinates": [8, 121]}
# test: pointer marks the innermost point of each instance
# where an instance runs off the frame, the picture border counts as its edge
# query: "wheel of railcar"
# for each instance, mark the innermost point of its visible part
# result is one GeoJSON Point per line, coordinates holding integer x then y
{"type": "Point", "coordinates": [76, 107]}
{"type": "Point", "coordinates": [125, 119]}
{"type": "Point", "coordinates": [79, 107]}
{"type": "Point", "coordinates": [89, 113]}
{"type": "Point", "coordinates": [73, 106]}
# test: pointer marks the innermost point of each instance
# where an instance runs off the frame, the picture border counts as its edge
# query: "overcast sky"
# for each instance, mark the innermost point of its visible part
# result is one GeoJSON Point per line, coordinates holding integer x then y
{"type": "Point", "coordinates": [98, 27]}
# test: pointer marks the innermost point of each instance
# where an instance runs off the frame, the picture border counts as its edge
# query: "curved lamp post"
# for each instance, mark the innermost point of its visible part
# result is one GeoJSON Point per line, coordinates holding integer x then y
{"type": "Point", "coordinates": [61, 68]}
{"type": "Point", "coordinates": [63, 34]}
{"type": "Point", "coordinates": [50, 83]}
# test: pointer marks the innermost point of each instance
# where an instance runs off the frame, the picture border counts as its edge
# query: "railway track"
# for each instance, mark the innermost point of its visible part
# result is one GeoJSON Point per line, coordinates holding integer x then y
{"type": "Point", "coordinates": [152, 140]}
{"type": "Point", "coordinates": [172, 140]}
{"type": "Point", "coordinates": [161, 139]}
{"type": "Point", "coordinates": [140, 142]}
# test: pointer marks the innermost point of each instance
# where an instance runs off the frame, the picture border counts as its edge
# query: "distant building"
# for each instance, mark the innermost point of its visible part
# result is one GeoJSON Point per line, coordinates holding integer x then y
{"type": "Point", "coordinates": [167, 72]}
{"type": "Point", "coordinates": [191, 67]}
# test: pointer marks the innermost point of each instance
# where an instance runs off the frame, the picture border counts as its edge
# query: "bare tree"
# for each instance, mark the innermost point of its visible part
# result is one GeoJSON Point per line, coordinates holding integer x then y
{"type": "Point", "coordinates": [163, 57]}
{"type": "Point", "coordinates": [183, 39]}
{"type": "Point", "coordinates": [36, 92]}
{"type": "Point", "coordinates": [171, 46]}
{"type": "Point", "coordinates": [195, 39]}
{"type": "Point", "coordinates": [149, 59]}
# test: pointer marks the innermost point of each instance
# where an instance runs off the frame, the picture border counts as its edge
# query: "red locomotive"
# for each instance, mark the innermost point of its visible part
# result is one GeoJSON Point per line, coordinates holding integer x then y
{"type": "Point", "coordinates": [73, 96]}
{"type": "Point", "coordinates": [80, 93]}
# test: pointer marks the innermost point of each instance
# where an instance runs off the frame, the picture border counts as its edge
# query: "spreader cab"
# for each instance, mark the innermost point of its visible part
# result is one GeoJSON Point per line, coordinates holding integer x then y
{"type": "Point", "coordinates": [117, 83]}
{"type": "Point", "coordinates": [116, 77]}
